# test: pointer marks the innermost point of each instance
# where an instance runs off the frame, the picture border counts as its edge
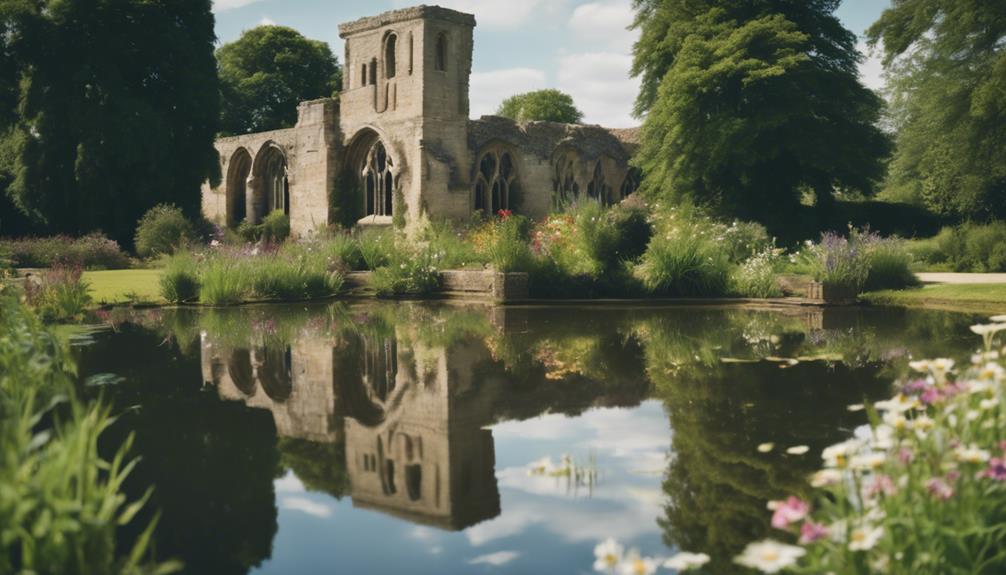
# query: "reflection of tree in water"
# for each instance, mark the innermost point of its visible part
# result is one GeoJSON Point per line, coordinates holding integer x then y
{"type": "Point", "coordinates": [717, 482]}
{"type": "Point", "coordinates": [212, 463]}
{"type": "Point", "coordinates": [319, 466]}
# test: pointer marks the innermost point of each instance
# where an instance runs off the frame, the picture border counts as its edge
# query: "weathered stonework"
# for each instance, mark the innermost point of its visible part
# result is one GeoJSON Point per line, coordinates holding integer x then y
{"type": "Point", "coordinates": [400, 134]}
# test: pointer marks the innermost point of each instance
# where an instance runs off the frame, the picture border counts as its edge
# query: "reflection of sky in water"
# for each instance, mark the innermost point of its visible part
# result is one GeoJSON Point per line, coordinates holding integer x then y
{"type": "Point", "coordinates": [545, 525]}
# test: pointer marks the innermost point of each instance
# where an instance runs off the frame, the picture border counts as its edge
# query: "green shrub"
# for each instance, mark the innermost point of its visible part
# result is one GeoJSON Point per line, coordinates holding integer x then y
{"type": "Point", "coordinates": [61, 504]}
{"type": "Point", "coordinates": [377, 245]}
{"type": "Point", "coordinates": [93, 251]}
{"type": "Point", "coordinates": [452, 245]}
{"type": "Point", "coordinates": [276, 227]}
{"type": "Point", "coordinates": [745, 240]}
{"type": "Point", "coordinates": [634, 231]}
{"type": "Point", "coordinates": [344, 249]}
{"type": "Point", "coordinates": [180, 280]}
{"type": "Point", "coordinates": [977, 248]}
{"type": "Point", "coordinates": [756, 277]}
{"type": "Point", "coordinates": [509, 249]}
{"type": "Point", "coordinates": [163, 230]}
{"type": "Point", "coordinates": [59, 294]}
{"type": "Point", "coordinates": [685, 258]}
{"type": "Point", "coordinates": [277, 277]}
{"type": "Point", "coordinates": [407, 273]}
{"type": "Point", "coordinates": [890, 265]}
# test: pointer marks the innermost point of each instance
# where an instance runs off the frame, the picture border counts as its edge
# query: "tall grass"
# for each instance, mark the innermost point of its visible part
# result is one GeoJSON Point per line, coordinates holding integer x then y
{"type": "Point", "coordinates": [60, 502]}
{"type": "Point", "coordinates": [685, 258]}
{"type": "Point", "coordinates": [180, 280]}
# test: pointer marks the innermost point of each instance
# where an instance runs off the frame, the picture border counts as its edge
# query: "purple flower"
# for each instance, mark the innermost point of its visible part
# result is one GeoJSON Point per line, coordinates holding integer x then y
{"type": "Point", "coordinates": [811, 532]}
{"type": "Point", "coordinates": [940, 489]}
{"type": "Point", "coordinates": [787, 512]}
{"type": "Point", "coordinates": [996, 470]}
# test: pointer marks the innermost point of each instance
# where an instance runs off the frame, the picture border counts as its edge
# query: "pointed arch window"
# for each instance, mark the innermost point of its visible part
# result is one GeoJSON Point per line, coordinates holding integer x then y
{"type": "Point", "coordinates": [378, 181]}
{"type": "Point", "coordinates": [598, 189]}
{"type": "Point", "coordinates": [631, 183]}
{"type": "Point", "coordinates": [566, 191]}
{"type": "Point", "coordinates": [496, 183]}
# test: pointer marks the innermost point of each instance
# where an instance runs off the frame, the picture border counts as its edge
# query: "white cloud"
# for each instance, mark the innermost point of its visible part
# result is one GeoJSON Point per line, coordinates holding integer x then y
{"type": "Point", "coordinates": [489, 89]}
{"type": "Point", "coordinates": [605, 23]}
{"type": "Point", "coordinates": [495, 559]}
{"type": "Point", "coordinates": [289, 483]}
{"type": "Point", "coordinates": [872, 69]}
{"type": "Point", "coordinates": [305, 505]}
{"type": "Point", "coordinates": [498, 13]}
{"type": "Point", "coordinates": [266, 21]}
{"type": "Point", "coordinates": [225, 5]}
{"type": "Point", "coordinates": [601, 87]}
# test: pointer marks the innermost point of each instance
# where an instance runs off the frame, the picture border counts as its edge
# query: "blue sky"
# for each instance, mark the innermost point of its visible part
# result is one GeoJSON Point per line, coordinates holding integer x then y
{"type": "Point", "coordinates": [578, 46]}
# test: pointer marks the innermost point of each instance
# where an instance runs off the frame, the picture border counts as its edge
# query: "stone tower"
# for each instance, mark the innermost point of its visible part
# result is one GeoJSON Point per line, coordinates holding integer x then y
{"type": "Point", "coordinates": [404, 111]}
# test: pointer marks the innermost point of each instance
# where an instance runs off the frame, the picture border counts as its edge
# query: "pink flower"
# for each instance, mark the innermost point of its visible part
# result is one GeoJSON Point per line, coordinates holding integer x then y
{"type": "Point", "coordinates": [931, 396]}
{"type": "Point", "coordinates": [881, 484]}
{"type": "Point", "coordinates": [906, 456]}
{"type": "Point", "coordinates": [996, 470]}
{"type": "Point", "coordinates": [787, 512]}
{"type": "Point", "coordinates": [811, 532]}
{"type": "Point", "coordinates": [939, 489]}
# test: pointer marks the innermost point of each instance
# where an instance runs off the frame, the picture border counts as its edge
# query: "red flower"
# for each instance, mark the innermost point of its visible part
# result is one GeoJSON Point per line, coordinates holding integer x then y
{"type": "Point", "coordinates": [504, 214]}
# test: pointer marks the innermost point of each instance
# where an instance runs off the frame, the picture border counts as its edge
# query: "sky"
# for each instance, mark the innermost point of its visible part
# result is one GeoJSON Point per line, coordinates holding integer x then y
{"type": "Point", "coordinates": [582, 47]}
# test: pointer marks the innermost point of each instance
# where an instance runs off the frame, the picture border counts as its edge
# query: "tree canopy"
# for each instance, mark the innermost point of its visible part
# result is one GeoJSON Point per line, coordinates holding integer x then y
{"type": "Point", "coordinates": [266, 73]}
{"type": "Point", "coordinates": [107, 108]}
{"type": "Point", "coordinates": [946, 64]}
{"type": "Point", "coordinates": [748, 104]}
{"type": "Point", "coordinates": [541, 106]}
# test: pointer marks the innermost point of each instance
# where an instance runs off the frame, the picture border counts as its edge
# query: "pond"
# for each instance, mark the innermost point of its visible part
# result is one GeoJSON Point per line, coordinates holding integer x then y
{"type": "Point", "coordinates": [436, 438]}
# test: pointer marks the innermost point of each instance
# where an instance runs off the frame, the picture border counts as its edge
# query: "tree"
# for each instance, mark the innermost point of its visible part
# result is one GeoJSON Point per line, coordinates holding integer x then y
{"type": "Point", "coordinates": [749, 103]}
{"type": "Point", "coordinates": [946, 64]}
{"type": "Point", "coordinates": [266, 73]}
{"type": "Point", "coordinates": [110, 107]}
{"type": "Point", "coordinates": [541, 106]}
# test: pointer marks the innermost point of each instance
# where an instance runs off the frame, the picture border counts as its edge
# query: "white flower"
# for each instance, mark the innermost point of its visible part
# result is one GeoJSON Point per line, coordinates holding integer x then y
{"type": "Point", "coordinates": [919, 366]}
{"type": "Point", "coordinates": [769, 556]}
{"type": "Point", "coordinates": [988, 404]}
{"type": "Point", "coordinates": [826, 477]}
{"type": "Point", "coordinates": [838, 455]}
{"type": "Point", "coordinates": [636, 565]}
{"type": "Point", "coordinates": [971, 454]}
{"type": "Point", "coordinates": [868, 461]}
{"type": "Point", "coordinates": [684, 561]}
{"type": "Point", "coordinates": [766, 447]}
{"type": "Point", "coordinates": [856, 407]}
{"type": "Point", "coordinates": [998, 319]}
{"type": "Point", "coordinates": [864, 537]}
{"type": "Point", "coordinates": [608, 555]}
{"type": "Point", "coordinates": [899, 403]}
{"type": "Point", "coordinates": [988, 329]}
{"type": "Point", "coordinates": [992, 372]}
{"type": "Point", "coordinates": [798, 450]}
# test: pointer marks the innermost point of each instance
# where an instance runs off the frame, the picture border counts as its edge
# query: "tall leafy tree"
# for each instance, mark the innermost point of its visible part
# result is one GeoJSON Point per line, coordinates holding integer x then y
{"type": "Point", "coordinates": [748, 103]}
{"type": "Point", "coordinates": [117, 107]}
{"type": "Point", "coordinates": [946, 62]}
{"type": "Point", "coordinates": [266, 73]}
{"type": "Point", "coordinates": [541, 106]}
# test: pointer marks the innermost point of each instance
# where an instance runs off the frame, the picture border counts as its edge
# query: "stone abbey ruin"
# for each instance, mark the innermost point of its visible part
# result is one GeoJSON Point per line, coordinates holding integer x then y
{"type": "Point", "coordinates": [398, 143]}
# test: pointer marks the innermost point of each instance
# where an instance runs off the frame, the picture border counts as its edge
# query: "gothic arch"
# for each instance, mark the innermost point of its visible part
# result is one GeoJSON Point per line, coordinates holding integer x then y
{"type": "Point", "coordinates": [390, 55]}
{"type": "Point", "coordinates": [238, 169]}
{"type": "Point", "coordinates": [566, 166]}
{"type": "Point", "coordinates": [272, 190]}
{"type": "Point", "coordinates": [239, 368]}
{"type": "Point", "coordinates": [275, 372]}
{"type": "Point", "coordinates": [599, 189]}
{"type": "Point", "coordinates": [497, 180]}
{"type": "Point", "coordinates": [630, 183]}
{"type": "Point", "coordinates": [440, 58]}
{"type": "Point", "coordinates": [376, 170]}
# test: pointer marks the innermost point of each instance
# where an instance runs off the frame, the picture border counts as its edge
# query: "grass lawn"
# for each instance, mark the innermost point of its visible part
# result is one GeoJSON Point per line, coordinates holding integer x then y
{"type": "Point", "coordinates": [122, 286]}
{"type": "Point", "coordinates": [975, 297]}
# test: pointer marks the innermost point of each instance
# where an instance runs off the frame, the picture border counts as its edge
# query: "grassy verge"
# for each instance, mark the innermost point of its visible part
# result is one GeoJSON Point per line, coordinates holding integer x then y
{"type": "Point", "coordinates": [123, 286]}
{"type": "Point", "coordinates": [976, 297]}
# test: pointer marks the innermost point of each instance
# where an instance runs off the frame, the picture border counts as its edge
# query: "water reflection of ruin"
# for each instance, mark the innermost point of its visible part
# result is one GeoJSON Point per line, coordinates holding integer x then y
{"type": "Point", "coordinates": [412, 416]}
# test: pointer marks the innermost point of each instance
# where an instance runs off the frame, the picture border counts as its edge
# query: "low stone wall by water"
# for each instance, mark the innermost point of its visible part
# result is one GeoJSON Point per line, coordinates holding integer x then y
{"type": "Point", "coordinates": [488, 284]}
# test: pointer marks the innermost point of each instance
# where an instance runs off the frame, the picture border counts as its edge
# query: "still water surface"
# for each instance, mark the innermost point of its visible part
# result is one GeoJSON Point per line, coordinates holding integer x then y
{"type": "Point", "coordinates": [418, 438]}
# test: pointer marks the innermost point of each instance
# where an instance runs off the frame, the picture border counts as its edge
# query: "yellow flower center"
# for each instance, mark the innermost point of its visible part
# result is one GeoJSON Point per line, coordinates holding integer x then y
{"type": "Point", "coordinates": [858, 536]}
{"type": "Point", "coordinates": [770, 555]}
{"type": "Point", "coordinates": [610, 559]}
{"type": "Point", "coordinates": [639, 567]}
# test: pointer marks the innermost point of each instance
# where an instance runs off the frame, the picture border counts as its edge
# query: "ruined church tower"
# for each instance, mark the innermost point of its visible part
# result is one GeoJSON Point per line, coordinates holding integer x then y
{"type": "Point", "coordinates": [404, 110]}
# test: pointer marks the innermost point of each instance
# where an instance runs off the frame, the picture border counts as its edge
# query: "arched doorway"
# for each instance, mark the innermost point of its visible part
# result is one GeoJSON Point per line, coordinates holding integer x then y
{"type": "Point", "coordinates": [239, 168]}
{"type": "Point", "coordinates": [373, 171]}
{"type": "Point", "coordinates": [565, 189]}
{"type": "Point", "coordinates": [271, 186]}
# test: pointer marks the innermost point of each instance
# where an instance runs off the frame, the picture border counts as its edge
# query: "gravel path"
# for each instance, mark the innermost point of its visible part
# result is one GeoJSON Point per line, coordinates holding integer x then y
{"type": "Point", "coordinates": [962, 279]}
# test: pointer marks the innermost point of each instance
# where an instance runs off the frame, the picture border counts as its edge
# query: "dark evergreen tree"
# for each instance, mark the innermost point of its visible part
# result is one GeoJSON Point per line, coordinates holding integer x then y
{"type": "Point", "coordinates": [749, 103]}
{"type": "Point", "coordinates": [269, 71]}
{"type": "Point", "coordinates": [109, 107]}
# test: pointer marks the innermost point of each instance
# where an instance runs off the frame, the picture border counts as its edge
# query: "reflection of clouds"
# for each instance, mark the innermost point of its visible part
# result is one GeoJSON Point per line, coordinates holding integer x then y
{"type": "Point", "coordinates": [495, 559]}
{"type": "Point", "coordinates": [623, 505]}
{"type": "Point", "coordinates": [289, 484]}
{"type": "Point", "coordinates": [305, 505]}
{"type": "Point", "coordinates": [642, 434]}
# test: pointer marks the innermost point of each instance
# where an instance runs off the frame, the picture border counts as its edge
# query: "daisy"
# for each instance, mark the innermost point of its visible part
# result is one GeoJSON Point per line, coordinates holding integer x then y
{"type": "Point", "coordinates": [864, 537]}
{"type": "Point", "coordinates": [684, 561]}
{"type": "Point", "coordinates": [770, 556]}
{"type": "Point", "coordinates": [608, 555]}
